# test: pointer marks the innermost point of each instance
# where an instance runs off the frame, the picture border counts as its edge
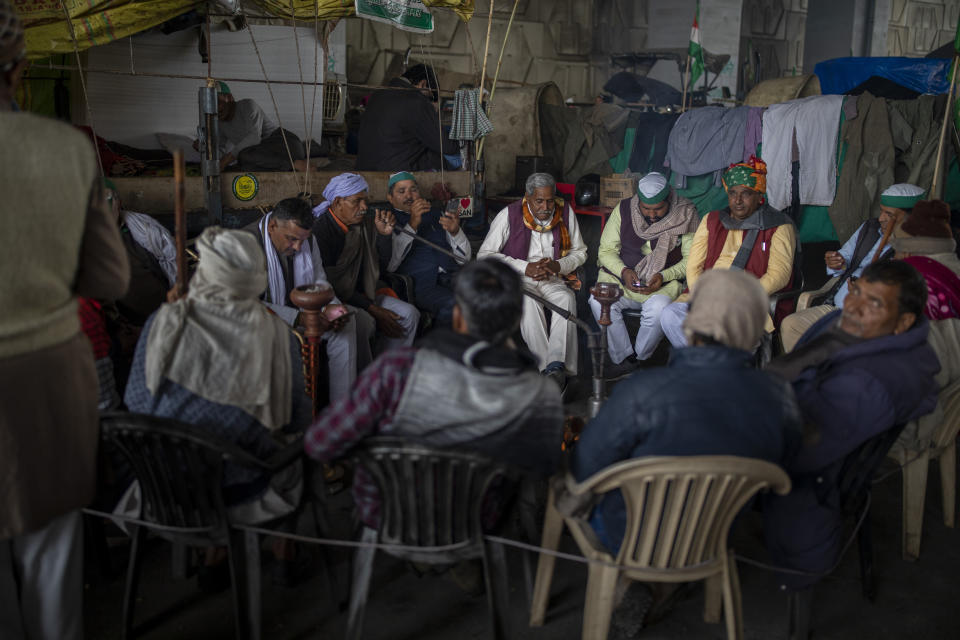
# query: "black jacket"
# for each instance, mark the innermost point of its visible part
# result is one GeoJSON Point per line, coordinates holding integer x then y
{"type": "Point", "coordinates": [400, 131]}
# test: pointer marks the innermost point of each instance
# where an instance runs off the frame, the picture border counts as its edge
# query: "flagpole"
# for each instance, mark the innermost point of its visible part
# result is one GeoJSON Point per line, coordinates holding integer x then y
{"type": "Point", "coordinates": [686, 81]}
{"type": "Point", "coordinates": [948, 113]}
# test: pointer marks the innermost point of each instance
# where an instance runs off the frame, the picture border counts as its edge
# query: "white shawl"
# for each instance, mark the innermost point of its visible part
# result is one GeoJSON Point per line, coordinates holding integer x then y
{"type": "Point", "coordinates": [154, 237]}
{"type": "Point", "coordinates": [219, 342]}
{"type": "Point", "coordinates": [303, 268]}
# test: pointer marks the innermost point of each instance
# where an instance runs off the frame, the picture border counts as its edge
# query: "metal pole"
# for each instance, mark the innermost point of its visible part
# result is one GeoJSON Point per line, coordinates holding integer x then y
{"type": "Point", "coordinates": [209, 141]}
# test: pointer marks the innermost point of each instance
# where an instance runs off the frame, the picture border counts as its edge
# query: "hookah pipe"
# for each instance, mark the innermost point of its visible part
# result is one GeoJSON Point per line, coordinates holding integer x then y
{"type": "Point", "coordinates": [606, 293]}
{"type": "Point", "coordinates": [311, 299]}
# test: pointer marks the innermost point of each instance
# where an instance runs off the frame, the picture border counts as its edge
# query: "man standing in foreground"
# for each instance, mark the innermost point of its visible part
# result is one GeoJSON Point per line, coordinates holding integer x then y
{"type": "Point", "coordinates": [48, 383]}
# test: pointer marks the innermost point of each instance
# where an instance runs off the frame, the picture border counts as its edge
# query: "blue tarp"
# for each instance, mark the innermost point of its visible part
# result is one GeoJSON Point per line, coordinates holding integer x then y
{"type": "Point", "coordinates": [924, 75]}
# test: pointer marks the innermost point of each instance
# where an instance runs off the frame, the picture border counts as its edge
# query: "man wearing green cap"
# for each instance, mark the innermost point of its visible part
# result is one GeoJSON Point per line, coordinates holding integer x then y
{"type": "Point", "coordinates": [432, 272]}
{"type": "Point", "coordinates": [864, 247]}
{"type": "Point", "coordinates": [644, 248]}
{"type": "Point", "coordinates": [748, 235]}
{"type": "Point", "coordinates": [251, 140]}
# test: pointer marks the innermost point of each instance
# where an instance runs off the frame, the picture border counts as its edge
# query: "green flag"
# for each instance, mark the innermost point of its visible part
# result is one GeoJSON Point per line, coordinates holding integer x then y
{"type": "Point", "coordinates": [695, 51]}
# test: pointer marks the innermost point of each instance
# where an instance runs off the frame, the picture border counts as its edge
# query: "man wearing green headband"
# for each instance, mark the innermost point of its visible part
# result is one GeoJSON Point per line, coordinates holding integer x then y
{"type": "Point", "coordinates": [858, 252]}
{"type": "Point", "coordinates": [432, 272]}
{"type": "Point", "coordinates": [644, 249]}
{"type": "Point", "coordinates": [251, 141]}
{"type": "Point", "coordinates": [748, 235]}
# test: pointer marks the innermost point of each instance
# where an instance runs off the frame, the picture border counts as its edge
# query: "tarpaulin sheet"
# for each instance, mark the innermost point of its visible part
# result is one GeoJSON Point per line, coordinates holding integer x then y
{"type": "Point", "coordinates": [924, 75]}
{"type": "Point", "coordinates": [329, 9]}
{"type": "Point", "coordinates": [98, 22]}
{"type": "Point", "coordinates": [94, 21]}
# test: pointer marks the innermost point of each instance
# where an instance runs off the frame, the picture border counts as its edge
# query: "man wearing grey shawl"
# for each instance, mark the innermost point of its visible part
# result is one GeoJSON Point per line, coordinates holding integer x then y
{"type": "Point", "coordinates": [219, 360]}
{"type": "Point", "coordinates": [644, 249]}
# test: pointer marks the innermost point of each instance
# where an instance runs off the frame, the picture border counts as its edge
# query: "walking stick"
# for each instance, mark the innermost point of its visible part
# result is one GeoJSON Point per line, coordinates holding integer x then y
{"type": "Point", "coordinates": [180, 223]}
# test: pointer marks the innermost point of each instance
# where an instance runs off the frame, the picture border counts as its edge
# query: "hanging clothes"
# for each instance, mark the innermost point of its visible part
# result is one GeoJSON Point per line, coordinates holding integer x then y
{"type": "Point", "coordinates": [813, 123]}
{"type": "Point", "coordinates": [469, 120]}
{"type": "Point", "coordinates": [915, 127]}
{"type": "Point", "coordinates": [706, 140]}
{"type": "Point", "coordinates": [865, 165]}
{"type": "Point", "coordinates": [650, 142]}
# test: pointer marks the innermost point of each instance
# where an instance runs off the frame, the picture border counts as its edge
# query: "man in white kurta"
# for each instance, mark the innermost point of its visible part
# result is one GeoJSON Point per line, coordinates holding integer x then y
{"type": "Point", "coordinates": [538, 236]}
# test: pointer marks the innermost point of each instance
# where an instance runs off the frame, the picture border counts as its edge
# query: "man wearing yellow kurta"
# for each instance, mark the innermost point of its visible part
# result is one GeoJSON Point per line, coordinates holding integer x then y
{"type": "Point", "coordinates": [644, 249]}
{"type": "Point", "coordinates": [748, 235]}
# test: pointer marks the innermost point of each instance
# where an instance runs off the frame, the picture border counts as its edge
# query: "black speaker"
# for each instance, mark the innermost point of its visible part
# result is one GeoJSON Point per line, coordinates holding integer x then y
{"type": "Point", "coordinates": [532, 164]}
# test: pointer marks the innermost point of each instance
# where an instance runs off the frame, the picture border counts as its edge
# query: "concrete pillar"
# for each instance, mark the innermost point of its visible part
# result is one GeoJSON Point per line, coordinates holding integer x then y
{"type": "Point", "coordinates": [841, 29]}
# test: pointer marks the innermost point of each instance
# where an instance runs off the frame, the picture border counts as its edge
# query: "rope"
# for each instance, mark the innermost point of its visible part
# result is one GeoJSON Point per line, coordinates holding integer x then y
{"type": "Point", "coordinates": [83, 86]}
{"type": "Point", "coordinates": [439, 120]}
{"type": "Point", "coordinates": [313, 104]}
{"type": "Point", "coordinates": [508, 542]}
{"type": "Point", "coordinates": [303, 91]}
{"type": "Point", "coordinates": [273, 98]}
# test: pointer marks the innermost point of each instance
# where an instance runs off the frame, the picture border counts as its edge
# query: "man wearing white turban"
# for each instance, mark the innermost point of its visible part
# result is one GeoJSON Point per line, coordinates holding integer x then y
{"type": "Point", "coordinates": [218, 359]}
{"type": "Point", "coordinates": [355, 247]}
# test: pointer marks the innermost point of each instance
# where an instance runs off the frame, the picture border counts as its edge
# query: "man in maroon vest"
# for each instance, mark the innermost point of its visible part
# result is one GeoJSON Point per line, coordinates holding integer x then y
{"type": "Point", "coordinates": [749, 235]}
{"type": "Point", "coordinates": [538, 236]}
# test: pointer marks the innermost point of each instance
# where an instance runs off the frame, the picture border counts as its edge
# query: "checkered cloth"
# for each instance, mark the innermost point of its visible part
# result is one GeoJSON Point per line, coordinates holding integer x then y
{"type": "Point", "coordinates": [469, 120]}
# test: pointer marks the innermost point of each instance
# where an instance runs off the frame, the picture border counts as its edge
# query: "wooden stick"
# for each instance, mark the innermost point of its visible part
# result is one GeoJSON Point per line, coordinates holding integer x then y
{"type": "Point", "coordinates": [486, 50]}
{"type": "Point", "coordinates": [934, 192]}
{"type": "Point", "coordinates": [686, 81]}
{"type": "Point", "coordinates": [180, 220]}
{"type": "Point", "coordinates": [496, 74]}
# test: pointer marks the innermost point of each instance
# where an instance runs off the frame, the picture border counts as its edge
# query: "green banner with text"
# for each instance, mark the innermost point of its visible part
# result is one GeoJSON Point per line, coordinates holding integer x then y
{"type": "Point", "coordinates": [409, 15]}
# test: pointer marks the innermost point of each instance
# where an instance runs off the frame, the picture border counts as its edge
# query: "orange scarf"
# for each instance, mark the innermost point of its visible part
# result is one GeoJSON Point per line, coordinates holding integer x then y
{"type": "Point", "coordinates": [532, 223]}
{"type": "Point", "coordinates": [571, 279]}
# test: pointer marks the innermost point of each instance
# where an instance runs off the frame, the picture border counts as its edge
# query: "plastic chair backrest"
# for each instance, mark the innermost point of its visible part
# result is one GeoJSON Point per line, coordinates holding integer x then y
{"type": "Point", "coordinates": [855, 475]}
{"type": "Point", "coordinates": [179, 468]}
{"type": "Point", "coordinates": [680, 509]}
{"type": "Point", "coordinates": [429, 497]}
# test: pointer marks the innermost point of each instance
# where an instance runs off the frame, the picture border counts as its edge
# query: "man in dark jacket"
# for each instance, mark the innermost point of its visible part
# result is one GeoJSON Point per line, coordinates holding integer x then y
{"type": "Point", "coordinates": [707, 401]}
{"type": "Point", "coordinates": [401, 126]}
{"type": "Point", "coordinates": [464, 388]}
{"type": "Point", "coordinates": [856, 373]}
{"type": "Point", "coordinates": [432, 271]}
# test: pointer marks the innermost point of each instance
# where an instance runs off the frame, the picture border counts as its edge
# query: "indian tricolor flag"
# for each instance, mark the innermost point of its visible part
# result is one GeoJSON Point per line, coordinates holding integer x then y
{"type": "Point", "coordinates": [695, 52]}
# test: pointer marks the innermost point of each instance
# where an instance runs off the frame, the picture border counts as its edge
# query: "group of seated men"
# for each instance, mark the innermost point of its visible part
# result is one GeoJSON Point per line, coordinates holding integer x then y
{"type": "Point", "coordinates": [860, 369]}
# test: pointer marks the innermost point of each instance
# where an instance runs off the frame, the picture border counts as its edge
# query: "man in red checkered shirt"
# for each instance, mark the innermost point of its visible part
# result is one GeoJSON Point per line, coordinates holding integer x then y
{"type": "Point", "coordinates": [467, 388]}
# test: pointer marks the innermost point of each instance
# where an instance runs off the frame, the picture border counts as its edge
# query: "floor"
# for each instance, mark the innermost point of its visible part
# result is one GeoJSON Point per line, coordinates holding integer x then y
{"type": "Point", "coordinates": [915, 599]}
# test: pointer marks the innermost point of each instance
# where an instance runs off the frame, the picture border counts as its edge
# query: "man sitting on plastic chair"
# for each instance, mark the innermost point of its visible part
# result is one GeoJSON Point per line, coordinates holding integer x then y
{"type": "Point", "coordinates": [707, 401]}
{"type": "Point", "coordinates": [218, 359]}
{"type": "Point", "coordinates": [464, 388]}
{"type": "Point", "coordinates": [857, 372]}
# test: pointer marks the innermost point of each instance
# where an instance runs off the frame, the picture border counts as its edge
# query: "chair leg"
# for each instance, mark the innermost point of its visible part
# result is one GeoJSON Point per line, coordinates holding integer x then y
{"type": "Point", "coordinates": [496, 578]}
{"type": "Point", "coordinates": [251, 545]}
{"type": "Point", "coordinates": [138, 537]}
{"type": "Point", "coordinates": [601, 585]}
{"type": "Point", "coordinates": [713, 599]}
{"type": "Point", "coordinates": [868, 580]}
{"type": "Point", "coordinates": [362, 570]}
{"type": "Point", "coordinates": [239, 581]}
{"type": "Point", "coordinates": [914, 497]}
{"type": "Point", "coordinates": [732, 604]}
{"type": "Point", "coordinates": [552, 528]}
{"type": "Point", "coordinates": [799, 610]}
{"type": "Point", "coordinates": [948, 482]}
